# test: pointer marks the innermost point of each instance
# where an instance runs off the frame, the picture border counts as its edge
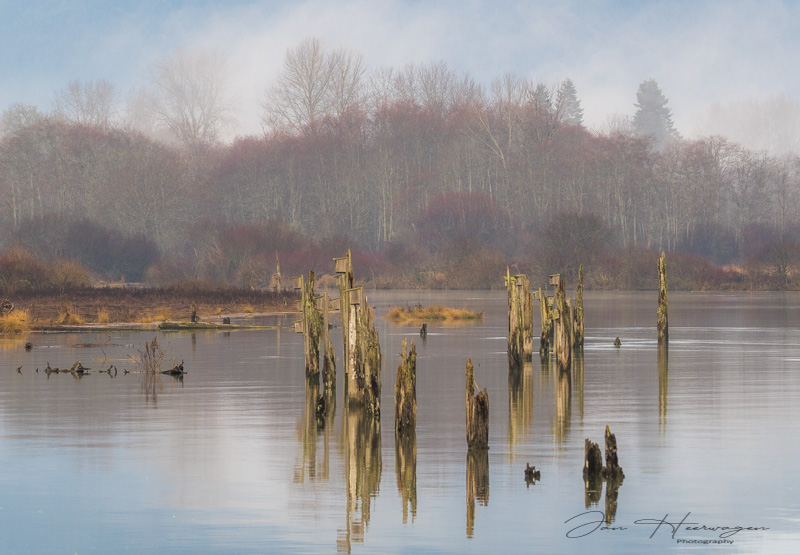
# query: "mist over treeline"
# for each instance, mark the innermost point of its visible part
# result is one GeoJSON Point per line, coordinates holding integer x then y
{"type": "Point", "coordinates": [432, 180]}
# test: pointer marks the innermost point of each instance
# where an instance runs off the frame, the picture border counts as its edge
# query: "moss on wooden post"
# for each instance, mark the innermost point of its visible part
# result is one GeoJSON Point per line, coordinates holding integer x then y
{"type": "Point", "coordinates": [578, 324]}
{"type": "Point", "coordinates": [546, 312]}
{"type": "Point", "coordinates": [328, 357]}
{"type": "Point", "coordinates": [663, 310]}
{"type": "Point", "coordinates": [405, 391]}
{"type": "Point", "coordinates": [477, 405]}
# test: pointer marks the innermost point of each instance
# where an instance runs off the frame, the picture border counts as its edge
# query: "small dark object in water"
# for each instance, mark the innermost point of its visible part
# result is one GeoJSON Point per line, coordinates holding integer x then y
{"type": "Point", "coordinates": [423, 331]}
{"type": "Point", "coordinates": [126, 371]}
{"type": "Point", "coordinates": [28, 345]}
{"type": "Point", "coordinates": [321, 409]}
{"type": "Point", "coordinates": [531, 474]}
{"type": "Point", "coordinates": [19, 369]}
{"type": "Point", "coordinates": [617, 342]}
{"type": "Point", "coordinates": [226, 320]}
{"type": "Point", "coordinates": [176, 370]}
{"type": "Point", "coordinates": [79, 368]}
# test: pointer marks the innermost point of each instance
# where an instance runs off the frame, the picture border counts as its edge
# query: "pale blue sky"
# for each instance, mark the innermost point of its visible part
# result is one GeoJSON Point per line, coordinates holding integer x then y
{"type": "Point", "coordinates": [700, 52]}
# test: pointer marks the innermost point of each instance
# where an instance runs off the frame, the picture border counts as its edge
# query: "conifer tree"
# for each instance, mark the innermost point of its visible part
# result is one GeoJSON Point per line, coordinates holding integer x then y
{"type": "Point", "coordinates": [568, 102]}
{"type": "Point", "coordinates": [653, 118]}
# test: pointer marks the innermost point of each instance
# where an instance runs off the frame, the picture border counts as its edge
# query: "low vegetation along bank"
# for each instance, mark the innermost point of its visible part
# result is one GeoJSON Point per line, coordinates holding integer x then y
{"type": "Point", "coordinates": [109, 305]}
{"type": "Point", "coordinates": [434, 313]}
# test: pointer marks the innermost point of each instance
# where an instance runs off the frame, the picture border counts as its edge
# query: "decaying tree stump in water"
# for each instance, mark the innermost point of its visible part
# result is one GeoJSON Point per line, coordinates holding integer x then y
{"type": "Point", "coordinates": [593, 462]}
{"type": "Point", "coordinates": [662, 321]}
{"type": "Point", "coordinates": [562, 318]}
{"type": "Point", "coordinates": [477, 412]}
{"type": "Point", "coordinates": [520, 319]}
{"type": "Point", "coordinates": [577, 321]}
{"type": "Point", "coordinates": [405, 391]}
{"type": "Point", "coordinates": [612, 468]}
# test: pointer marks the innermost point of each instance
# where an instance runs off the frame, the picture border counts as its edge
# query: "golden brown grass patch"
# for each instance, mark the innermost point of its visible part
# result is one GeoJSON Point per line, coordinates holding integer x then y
{"type": "Point", "coordinates": [103, 317]}
{"type": "Point", "coordinates": [434, 313]}
{"type": "Point", "coordinates": [68, 316]}
{"type": "Point", "coordinates": [162, 314]}
{"type": "Point", "coordinates": [14, 322]}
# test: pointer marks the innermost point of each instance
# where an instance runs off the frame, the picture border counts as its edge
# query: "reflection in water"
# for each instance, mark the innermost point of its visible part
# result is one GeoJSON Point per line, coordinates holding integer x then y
{"type": "Point", "coordinates": [405, 465]}
{"type": "Point", "coordinates": [563, 413]}
{"type": "Point", "coordinates": [308, 430]}
{"type": "Point", "coordinates": [663, 385]}
{"type": "Point", "coordinates": [520, 402]}
{"type": "Point", "coordinates": [151, 384]}
{"type": "Point", "coordinates": [361, 449]}
{"type": "Point", "coordinates": [577, 372]}
{"type": "Point", "coordinates": [477, 484]}
{"type": "Point", "coordinates": [592, 489]}
{"type": "Point", "coordinates": [612, 490]}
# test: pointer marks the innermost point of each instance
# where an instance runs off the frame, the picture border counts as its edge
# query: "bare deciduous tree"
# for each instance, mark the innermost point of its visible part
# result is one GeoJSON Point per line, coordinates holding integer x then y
{"type": "Point", "coordinates": [312, 86]}
{"type": "Point", "coordinates": [190, 95]}
{"type": "Point", "coordinates": [92, 103]}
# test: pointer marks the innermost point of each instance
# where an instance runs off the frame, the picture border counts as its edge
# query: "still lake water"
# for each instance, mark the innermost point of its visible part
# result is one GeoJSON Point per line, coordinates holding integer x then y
{"type": "Point", "coordinates": [232, 459]}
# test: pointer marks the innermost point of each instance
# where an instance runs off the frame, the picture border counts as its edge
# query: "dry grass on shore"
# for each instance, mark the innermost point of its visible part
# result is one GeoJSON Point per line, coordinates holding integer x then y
{"type": "Point", "coordinates": [14, 322]}
{"type": "Point", "coordinates": [434, 313]}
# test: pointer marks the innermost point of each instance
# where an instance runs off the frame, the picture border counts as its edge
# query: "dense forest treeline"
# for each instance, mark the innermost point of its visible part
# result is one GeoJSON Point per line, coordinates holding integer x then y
{"type": "Point", "coordinates": [431, 180]}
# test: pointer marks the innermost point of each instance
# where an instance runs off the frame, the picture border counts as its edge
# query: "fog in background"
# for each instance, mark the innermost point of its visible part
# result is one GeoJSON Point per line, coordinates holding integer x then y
{"type": "Point", "coordinates": [726, 67]}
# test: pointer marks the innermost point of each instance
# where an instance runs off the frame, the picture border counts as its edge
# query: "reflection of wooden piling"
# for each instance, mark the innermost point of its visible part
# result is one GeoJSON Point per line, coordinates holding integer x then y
{"type": "Point", "coordinates": [477, 484]}
{"type": "Point", "coordinates": [309, 428]}
{"type": "Point", "coordinates": [405, 391]}
{"type": "Point", "coordinates": [663, 311]}
{"type": "Point", "coordinates": [562, 317]}
{"type": "Point", "coordinates": [361, 449]}
{"type": "Point", "coordinates": [663, 384]}
{"type": "Point", "coordinates": [405, 460]}
{"type": "Point", "coordinates": [520, 319]}
{"type": "Point", "coordinates": [563, 405]}
{"type": "Point", "coordinates": [477, 412]}
{"type": "Point", "coordinates": [520, 403]}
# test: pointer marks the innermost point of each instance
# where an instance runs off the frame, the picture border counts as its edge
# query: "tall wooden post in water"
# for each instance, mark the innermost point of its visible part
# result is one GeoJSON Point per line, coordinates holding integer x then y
{"type": "Point", "coordinates": [361, 346]}
{"type": "Point", "coordinates": [562, 317]}
{"type": "Point", "coordinates": [477, 412]}
{"type": "Point", "coordinates": [663, 312]}
{"type": "Point", "coordinates": [520, 319]}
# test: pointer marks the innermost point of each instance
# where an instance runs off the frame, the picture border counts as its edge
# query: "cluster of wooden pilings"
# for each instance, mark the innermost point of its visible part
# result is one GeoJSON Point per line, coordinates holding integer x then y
{"type": "Point", "coordinates": [594, 474]}
{"type": "Point", "coordinates": [562, 323]}
{"type": "Point", "coordinates": [361, 354]}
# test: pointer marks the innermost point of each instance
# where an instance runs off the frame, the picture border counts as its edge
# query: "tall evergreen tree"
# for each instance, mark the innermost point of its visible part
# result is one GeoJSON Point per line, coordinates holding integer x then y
{"type": "Point", "coordinates": [570, 106]}
{"type": "Point", "coordinates": [653, 117]}
{"type": "Point", "coordinates": [542, 98]}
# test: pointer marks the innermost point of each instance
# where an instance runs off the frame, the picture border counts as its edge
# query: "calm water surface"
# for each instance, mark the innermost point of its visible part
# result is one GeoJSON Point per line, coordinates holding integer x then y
{"type": "Point", "coordinates": [232, 458]}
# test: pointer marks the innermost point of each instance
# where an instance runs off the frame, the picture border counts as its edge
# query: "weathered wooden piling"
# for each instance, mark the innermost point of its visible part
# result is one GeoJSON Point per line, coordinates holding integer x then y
{"type": "Point", "coordinates": [612, 468]}
{"type": "Point", "coordinates": [520, 319]}
{"type": "Point", "coordinates": [328, 357]}
{"type": "Point", "coordinates": [311, 323]}
{"type": "Point", "coordinates": [546, 311]}
{"type": "Point", "coordinates": [577, 322]}
{"type": "Point", "coordinates": [361, 345]}
{"type": "Point", "coordinates": [593, 460]}
{"type": "Point", "coordinates": [405, 391]}
{"type": "Point", "coordinates": [562, 318]}
{"type": "Point", "coordinates": [662, 321]}
{"type": "Point", "coordinates": [477, 405]}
